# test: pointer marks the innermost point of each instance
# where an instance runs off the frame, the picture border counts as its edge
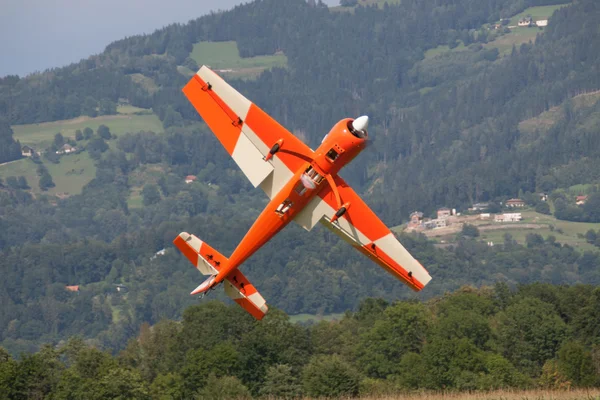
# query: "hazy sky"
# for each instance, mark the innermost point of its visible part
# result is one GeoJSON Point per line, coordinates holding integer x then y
{"type": "Point", "coordinates": [40, 34]}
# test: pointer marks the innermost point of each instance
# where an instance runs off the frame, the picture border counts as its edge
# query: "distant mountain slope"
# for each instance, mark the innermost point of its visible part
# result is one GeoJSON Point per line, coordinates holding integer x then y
{"type": "Point", "coordinates": [445, 133]}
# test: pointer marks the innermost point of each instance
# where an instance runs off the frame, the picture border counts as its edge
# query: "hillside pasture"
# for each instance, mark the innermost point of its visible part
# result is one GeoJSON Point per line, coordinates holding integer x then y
{"type": "Point", "coordinates": [224, 58]}
{"type": "Point", "coordinates": [547, 119]}
{"type": "Point", "coordinates": [536, 13]}
{"type": "Point", "coordinates": [70, 175]}
{"type": "Point", "coordinates": [41, 135]}
{"type": "Point", "coordinates": [519, 35]}
{"type": "Point", "coordinates": [378, 3]}
{"type": "Point", "coordinates": [516, 37]}
{"type": "Point", "coordinates": [565, 232]}
{"type": "Point", "coordinates": [442, 49]}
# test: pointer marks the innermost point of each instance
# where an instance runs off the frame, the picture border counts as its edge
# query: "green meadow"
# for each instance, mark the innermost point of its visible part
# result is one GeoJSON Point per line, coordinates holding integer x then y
{"type": "Point", "coordinates": [224, 57]}
{"type": "Point", "coordinates": [42, 135]}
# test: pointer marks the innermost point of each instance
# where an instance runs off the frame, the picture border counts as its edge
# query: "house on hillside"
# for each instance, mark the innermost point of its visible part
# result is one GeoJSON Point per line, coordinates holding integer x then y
{"type": "Point", "coordinates": [121, 288]}
{"type": "Point", "coordinates": [27, 151]}
{"type": "Point", "coordinates": [190, 178]}
{"type": "Point", "coordinates": [527, 21]}
{"type": "Point", "coordinates": [436, 223]}
{"type": "Point", "coordinates": [580, 200]}
{"type": "Point", "coordinates": [479, 207]}
{"type": "Point", "coordinates": [158, 254]}
{"type": "Point", "coordinates": [444, 213]}
{"type": "Point", "coordinates": [416, 218]}
{"type": "Point", "coordinates": [541, 22]}
{"type": "Point", "coordinates": [66, 149]}
{"type": "Point", "coordinates": [515, 203]}
{"type": "Point", "coordinates": [72, 288]}
{"type": "Point", "coordinates": [508, 217]}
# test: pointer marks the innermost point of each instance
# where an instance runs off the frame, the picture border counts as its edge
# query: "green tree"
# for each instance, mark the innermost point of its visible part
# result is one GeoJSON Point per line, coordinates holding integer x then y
{"type": "Point", "coordinates": [96, 147]}
{"type": "Point", "coordinates": [543, 208]}
{"type": "Point", "coordinates": [22, 182]}
{"type": "Point", "coordinates": [530, 332]}
{"type": "Point", "coordinates": [470, 231]}
{"type": "Point", "coordinates": [88, 133]}
{"type": "Point", "coordinates": [402, 329]}
{"type": "Point", "coordinates": [576, 363]}
{"type": "Point", "coordinates": [281, 382]}
{"type": "Point", "coordinates": [591, 236]}
{"type": "Point", "coordinates": [120, 383]}
{"type": "Point", "coordinates": [330, 376]}
{"type": "Point", "coordinates": [224, 388]}
{"type": "Point", "coordinates": [104, 132]}
{"type": "Point", "coordinates": [150, 194]}
{"type": "Point", "coordinates": [46, 181]}
{"type": "Point", "coordinates": [107, 107]}
{"type": "Point", "coordinates": [78, 135]}
{"type": "Point", "coordinates": [12, 182]}
{"type": "Point", "coordinates": [167, 387]}
{"type": "Point", "coordinates": [59, 140]}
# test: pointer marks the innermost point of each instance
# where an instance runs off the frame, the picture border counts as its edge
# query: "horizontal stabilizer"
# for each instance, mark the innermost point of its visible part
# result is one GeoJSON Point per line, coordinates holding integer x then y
{"type": "Point", "coordinates": [239, 288]}
{"type": "Point", "coordinates": [206, 259]}
{"type": "Point", "coordinates": [209, 261]}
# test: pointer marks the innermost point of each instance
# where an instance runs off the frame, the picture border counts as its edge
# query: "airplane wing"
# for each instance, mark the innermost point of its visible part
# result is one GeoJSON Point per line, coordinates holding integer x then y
{"type": "Point", "coordinates": [365, 231]}
{"type": "Point", "coordinates": [246, 132]}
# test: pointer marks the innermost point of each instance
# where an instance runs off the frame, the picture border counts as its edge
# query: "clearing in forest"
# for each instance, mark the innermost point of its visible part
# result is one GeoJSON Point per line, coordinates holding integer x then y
{"type": "Point", "coordinates": [70, 175]}
{"type": "Point", "coordinates": [224, 58]}
{"type": "Point", "coordinates": [42, 135]}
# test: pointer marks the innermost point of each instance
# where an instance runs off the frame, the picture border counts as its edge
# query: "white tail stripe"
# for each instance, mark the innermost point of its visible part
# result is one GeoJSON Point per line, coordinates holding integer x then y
{"type": "Point", "coordinates": [234, 100]}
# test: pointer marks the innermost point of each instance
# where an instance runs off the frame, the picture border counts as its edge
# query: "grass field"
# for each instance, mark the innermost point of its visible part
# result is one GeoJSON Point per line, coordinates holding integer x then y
{"type": "Point", "coordinates": [516, 37]}
{"type": "Point", "coordinates": [566, 232]}
{"type": "Point", "coordinates": [540, 12]}
{"type": "Point", "coordinates": [316, 318]}
{"type": "Point", "coordinates": [379, 4]}
{"type": "Point", "coordinates": [144, 81]}
{"type": "Point", "coordinates": [42, 135]}
{"type": "Point", "coordinates": [442, 49]}
{"type": "Point", "coordinates": [144, 175]}
{"type": "Point", "coordinates": [520, 35]}
{"type": "Point", "coordinates": [547, 119]}
{"type": "Point", "coordinates": [224, 56]}
{"type": "Point", "coordinates": [70, 175]}
{"type": "Point", "coordinates": [540, 394]}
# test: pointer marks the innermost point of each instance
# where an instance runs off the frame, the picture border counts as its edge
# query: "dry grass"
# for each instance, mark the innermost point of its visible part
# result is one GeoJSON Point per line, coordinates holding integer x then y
{"type": "Point", "coordinates": [591, 394]}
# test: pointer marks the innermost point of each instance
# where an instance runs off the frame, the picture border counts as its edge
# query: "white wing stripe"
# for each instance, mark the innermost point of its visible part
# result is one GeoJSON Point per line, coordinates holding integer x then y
{"type": "Point", "coordinates": [250, 161]}
{"type": "Point", "coordinates": [234, 100]}
{"type": "Point", "coordinates": [394, 249]}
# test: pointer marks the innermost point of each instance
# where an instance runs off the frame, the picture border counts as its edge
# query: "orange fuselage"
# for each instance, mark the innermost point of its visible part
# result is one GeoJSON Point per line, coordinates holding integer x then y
{"type": "Point", "coordinates": [338, 148]}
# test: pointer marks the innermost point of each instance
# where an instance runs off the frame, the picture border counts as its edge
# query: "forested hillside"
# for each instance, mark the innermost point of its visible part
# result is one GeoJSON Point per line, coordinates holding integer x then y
{"type": "Point", "coordinates": [540, 336]}
{"type": "Point", "coordinates": [446, 132]}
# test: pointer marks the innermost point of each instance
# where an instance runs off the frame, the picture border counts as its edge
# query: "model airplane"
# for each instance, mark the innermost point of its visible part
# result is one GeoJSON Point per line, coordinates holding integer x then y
{"type": "Point", "coordinates": [303, 186]}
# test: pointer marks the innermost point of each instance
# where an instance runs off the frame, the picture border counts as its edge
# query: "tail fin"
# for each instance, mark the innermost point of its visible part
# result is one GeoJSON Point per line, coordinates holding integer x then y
{"type": "Point", "coordinates": [209, 261]}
